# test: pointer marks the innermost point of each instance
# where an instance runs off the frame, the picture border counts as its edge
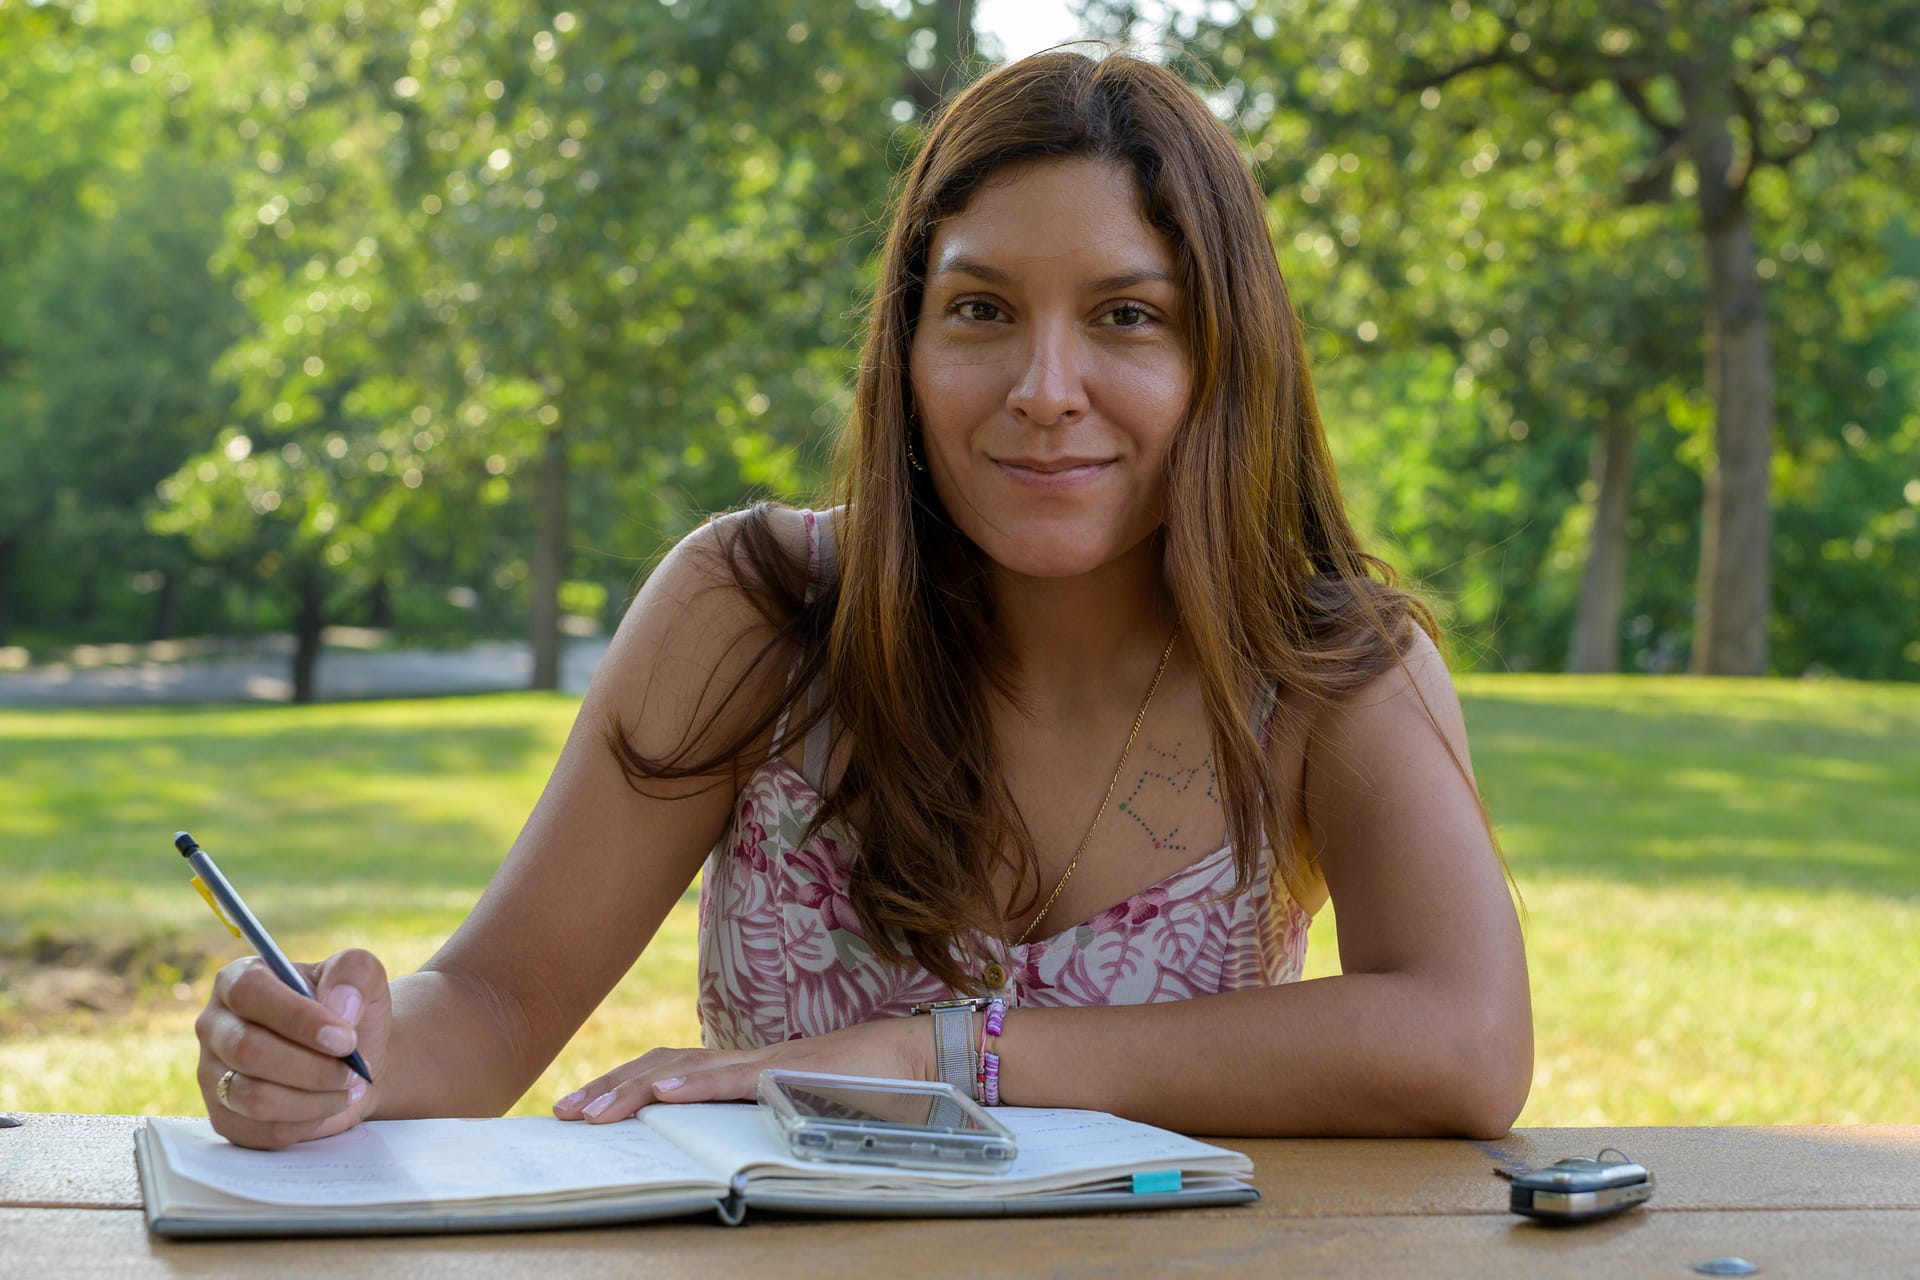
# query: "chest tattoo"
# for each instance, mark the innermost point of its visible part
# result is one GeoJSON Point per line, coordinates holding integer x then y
{"type": "Point", "coordinates": [1161, 788]}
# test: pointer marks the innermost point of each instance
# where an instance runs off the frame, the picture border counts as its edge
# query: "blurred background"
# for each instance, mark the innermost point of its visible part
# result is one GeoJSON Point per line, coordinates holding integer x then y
{"type": "Point", "coordinates": [338, 331]}
{"type": "Point", "coordinates": [439, 320]}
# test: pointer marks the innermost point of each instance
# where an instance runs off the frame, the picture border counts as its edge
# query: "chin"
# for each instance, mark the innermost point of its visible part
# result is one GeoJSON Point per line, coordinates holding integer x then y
{"type": "Point", "coordinates": [1053, 552]}
{"type": "Point", "coordinates": [1061, 564]}
{"type": "Point", "coordinates": [1056, 538]}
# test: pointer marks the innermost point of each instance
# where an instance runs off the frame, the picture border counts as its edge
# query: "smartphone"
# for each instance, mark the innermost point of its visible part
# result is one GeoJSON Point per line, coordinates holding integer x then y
{"type": "Point", "coordinates": [1577, 1189]}
{"type": "Point", "coordinates": [913, 1124]}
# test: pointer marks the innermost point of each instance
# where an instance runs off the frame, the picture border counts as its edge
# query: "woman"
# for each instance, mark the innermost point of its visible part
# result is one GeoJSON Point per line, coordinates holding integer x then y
{"type": "Point", "coordinates": [1084, 697]}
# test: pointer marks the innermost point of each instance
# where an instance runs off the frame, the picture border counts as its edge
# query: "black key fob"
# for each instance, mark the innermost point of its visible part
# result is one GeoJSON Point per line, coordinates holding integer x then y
{"type": "Point", "coordinates": [1579, 1189]}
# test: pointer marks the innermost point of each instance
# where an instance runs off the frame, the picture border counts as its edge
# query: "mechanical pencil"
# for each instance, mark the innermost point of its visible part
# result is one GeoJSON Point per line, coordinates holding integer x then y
{"type": "Point", "coordinates": [233, 913]}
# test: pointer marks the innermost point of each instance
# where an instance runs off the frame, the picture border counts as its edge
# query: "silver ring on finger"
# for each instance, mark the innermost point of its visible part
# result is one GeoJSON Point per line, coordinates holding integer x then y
{"type": "Point", "coordinates": [220, 1089]}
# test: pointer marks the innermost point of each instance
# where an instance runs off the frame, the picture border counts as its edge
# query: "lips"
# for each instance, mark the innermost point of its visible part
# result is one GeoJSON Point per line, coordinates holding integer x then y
{"type": "Point", "coordinates": [1052, 466]}
{"type": "Point", "coordinates": [1053, 474]}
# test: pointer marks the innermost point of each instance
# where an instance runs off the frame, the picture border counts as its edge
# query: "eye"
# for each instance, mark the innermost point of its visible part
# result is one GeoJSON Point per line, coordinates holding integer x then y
{"type": "Point", "coordinates": [1129, 316]}
{"type": "Point", "coordinates": [976, 309]}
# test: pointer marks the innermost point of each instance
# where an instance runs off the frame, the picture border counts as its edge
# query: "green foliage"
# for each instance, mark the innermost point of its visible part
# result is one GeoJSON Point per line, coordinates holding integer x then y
{"type": "Point", "coordinates": [464, 231]}
{"type": "Point", "coordinates": [1482, 189]}
{"type": "Point", "coordinates": [1849, 529]}
{"type": "Point", "coordinates": [294, 297]}
{"type": "Point", "coordinates": [121, 329]}
{"type": "Point", "coordinates": [457, 231]}
{"type": "Point", "coordinates": [108, 319]}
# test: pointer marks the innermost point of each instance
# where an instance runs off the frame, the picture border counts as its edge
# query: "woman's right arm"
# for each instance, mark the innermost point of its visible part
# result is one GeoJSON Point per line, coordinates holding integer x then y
{"type": "Point", "coordinates": [590, 878]}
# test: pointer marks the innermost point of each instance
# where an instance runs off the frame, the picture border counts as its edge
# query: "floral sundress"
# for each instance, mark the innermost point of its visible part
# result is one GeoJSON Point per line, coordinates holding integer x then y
{"type": "Point", "coordinates": [782, 956]}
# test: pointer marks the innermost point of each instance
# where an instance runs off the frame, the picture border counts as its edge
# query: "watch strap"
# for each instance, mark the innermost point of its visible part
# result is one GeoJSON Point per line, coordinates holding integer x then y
{"type": "Point", "coordinates": [955, 1057]}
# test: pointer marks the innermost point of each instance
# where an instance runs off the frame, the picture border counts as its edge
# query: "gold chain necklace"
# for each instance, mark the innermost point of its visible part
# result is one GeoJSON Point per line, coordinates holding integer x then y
{"type": "Point", "coordinates": [1139, 719]}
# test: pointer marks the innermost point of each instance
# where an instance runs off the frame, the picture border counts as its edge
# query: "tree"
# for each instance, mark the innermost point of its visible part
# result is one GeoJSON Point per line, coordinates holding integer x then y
{"type": "Point", "coordinates": [685, 267]}
{"type": "Point", "coordinates": [1722, 93]}
{"type": "Point", "coordinates": [64, 104]}
{"type": "Point", "coordinates": [697, 245]}
{"type": "Point", "coordinates": [940, 56]}
{"type": "Point", "coordinates": [512, 240]}
{"type": "Point", "coordinates": [109, 321]}
{"type": "Point", "coordinates": [1483, 320]}
{"type": "Point", "coordinates": [124, 327]}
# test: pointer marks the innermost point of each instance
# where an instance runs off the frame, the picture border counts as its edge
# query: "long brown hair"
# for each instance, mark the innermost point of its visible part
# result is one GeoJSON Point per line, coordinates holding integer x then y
{"type": "Point", "coordinates": [1268, 578]}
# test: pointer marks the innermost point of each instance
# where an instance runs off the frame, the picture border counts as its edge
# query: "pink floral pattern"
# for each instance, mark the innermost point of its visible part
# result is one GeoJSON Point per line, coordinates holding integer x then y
{"type": "Point", "coordinates": [782, 956]}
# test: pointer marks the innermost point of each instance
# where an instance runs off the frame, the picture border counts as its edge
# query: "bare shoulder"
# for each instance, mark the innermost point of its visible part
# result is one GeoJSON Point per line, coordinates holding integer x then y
{"type": "Point", "coordinates": [1421, 672]}
{"type": "Point", "coordinates": [1409, 712]}
{"type": "Point", "coordinates": [1333, 759]}
{"type": "Point", "coordinates": [712, 557]}
{"type": "Point", "coordinates": [699, 634]}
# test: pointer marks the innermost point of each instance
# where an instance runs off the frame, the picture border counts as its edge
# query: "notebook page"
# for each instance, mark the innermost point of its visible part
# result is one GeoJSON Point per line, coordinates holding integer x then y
{"type": "Point", "coordinates": [427, 1161]}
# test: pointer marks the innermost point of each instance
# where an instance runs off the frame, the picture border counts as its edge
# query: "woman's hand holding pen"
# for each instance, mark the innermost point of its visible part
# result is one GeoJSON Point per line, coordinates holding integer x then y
{"type": "Point", "coordinates": [288, 1083]}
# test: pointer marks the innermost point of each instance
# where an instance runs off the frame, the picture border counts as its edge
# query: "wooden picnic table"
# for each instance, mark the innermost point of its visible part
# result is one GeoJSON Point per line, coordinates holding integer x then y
{"type": "Point", "coordinates": [1793, 1200]}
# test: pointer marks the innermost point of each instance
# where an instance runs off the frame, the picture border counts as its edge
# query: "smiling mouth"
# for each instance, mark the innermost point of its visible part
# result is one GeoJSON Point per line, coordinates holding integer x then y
{"type": "Point", "coordinates": [1053, 467]}
{"type": "Point", "coordinates": [1052, 474]}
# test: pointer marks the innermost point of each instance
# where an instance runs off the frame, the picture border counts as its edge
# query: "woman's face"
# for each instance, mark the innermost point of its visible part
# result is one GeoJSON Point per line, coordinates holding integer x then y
{"type": "Point", "coordinates": [1048, 369]}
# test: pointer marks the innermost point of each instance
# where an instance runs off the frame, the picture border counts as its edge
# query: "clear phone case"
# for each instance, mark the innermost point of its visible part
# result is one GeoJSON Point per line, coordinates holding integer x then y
{"type": "Point", "coordinates": [913, 1124]}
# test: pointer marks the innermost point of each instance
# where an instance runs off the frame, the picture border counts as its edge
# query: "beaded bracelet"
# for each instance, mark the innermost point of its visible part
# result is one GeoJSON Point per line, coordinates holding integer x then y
{"type": "Point", "coordinates": [988, 1081]}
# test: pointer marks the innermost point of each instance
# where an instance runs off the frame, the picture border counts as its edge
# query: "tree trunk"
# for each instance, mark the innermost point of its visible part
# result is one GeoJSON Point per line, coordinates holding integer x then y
{"type": "Point", "coordinates": [952, 63]}
{"type": "Point", "coordinates": [9, 583]}
{"type": "Point", "coordinates": [380, 604]}
{"type": "Point", "coordinates": [1603, 584]}
{"type": "Point", "coordinates": [166, 607]}
{"type": "Point", "coordinates": [550, 537]}
{"type": "Point", "coordinates": [86, 605]}
{"type": "Point", "coordinates": [309, 618]}
{"type": "Point", "coordinates": [1736, 543]}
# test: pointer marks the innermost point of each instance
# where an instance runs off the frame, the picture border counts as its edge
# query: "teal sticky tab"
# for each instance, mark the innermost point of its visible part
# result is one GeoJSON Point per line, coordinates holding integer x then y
{"type": "Point", "coordinates": [1157, 1180]}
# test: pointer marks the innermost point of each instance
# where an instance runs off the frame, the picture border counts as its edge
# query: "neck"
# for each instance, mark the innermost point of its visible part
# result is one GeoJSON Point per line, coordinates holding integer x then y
{"type": "Point", "coordinates": [1069, 639]}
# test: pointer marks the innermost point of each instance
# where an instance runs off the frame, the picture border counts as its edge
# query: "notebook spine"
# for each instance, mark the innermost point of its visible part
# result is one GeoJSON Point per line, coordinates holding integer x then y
{"type": "Point", "coordinates": [732, 1208]}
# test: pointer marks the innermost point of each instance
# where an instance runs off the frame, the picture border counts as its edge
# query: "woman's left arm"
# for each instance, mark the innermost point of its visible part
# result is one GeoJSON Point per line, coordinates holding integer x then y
{"type": "Point", "coordinates": [1427, 1030]}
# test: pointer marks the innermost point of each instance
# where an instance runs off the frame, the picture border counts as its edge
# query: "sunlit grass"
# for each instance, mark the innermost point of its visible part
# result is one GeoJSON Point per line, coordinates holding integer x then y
{"type": "Point", "coordinates": [1723, 890]}
{"type": "Point", "coordinates": [1722, 886]}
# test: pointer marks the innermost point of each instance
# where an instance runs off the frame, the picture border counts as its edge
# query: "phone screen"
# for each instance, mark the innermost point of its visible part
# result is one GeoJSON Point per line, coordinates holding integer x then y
{"type": "Point", "coordinates": [889, 1107]}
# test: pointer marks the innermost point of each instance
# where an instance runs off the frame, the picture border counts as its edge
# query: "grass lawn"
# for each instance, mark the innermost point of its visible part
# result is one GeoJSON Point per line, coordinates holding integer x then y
{"type": "Point", "coordinates": [1721, 881]}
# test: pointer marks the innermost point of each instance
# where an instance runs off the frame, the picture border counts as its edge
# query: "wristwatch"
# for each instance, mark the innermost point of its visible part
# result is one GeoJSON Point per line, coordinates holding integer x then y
{"type": "Point", "coordinates": [956, 1059]}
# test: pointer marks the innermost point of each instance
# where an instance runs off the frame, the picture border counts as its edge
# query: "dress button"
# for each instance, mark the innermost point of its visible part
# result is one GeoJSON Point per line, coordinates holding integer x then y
{"type": "Point", "coordinates": [995, 976]}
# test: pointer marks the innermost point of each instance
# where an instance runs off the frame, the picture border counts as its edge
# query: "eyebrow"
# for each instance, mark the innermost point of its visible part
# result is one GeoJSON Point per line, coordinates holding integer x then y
{"type": "Point", "coordinates": [959, 265]}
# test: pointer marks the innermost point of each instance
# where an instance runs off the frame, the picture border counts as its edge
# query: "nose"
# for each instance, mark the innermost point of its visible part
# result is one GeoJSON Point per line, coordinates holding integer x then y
{"type": "Point", "coordinates": [1050, 387]}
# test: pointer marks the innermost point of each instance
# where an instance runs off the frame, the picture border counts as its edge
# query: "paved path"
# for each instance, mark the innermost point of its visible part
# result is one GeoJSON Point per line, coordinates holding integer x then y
{"type": "Point", "coordinates": [262, 672]}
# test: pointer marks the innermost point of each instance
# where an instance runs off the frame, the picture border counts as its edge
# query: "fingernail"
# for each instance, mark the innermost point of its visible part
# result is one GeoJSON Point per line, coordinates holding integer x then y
{"type": "Point", "coordinates": [669, 1084]}
{"type": "Point", "coordinates": [599, 1104]}
{"type": "Point", "coordinates": [571, 1101]}
{"type": "Point", "coordinates": [336, 1040]}
{"type": "Point", "coordinates": [344, 1001]}
{"type": "Point", "coordinates": [358, 1091]}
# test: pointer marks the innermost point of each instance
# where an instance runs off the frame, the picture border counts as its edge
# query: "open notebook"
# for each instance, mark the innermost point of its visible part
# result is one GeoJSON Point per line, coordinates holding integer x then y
{"type": "Point", "coordinates": [416, 1176]}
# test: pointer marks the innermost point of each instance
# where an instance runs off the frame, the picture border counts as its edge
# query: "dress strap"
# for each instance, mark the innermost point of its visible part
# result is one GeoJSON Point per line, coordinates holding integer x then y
{"type": "Point", "coordinates": [820, 737]}
{"type": "Point", "coordinates": [1265, 702]}
{"type": "Point", "coordinates": [811, 520]}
